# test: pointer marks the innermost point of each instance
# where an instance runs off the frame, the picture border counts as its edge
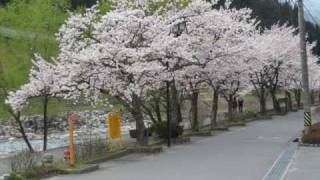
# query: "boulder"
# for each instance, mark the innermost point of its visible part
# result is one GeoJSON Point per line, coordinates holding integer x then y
{"type": "Point", "coordinates": [313, 135]}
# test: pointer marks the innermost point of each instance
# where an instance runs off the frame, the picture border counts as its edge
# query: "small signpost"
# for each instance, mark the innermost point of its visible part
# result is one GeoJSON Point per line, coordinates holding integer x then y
{"type": "Point", "coordinates": [114, 128]}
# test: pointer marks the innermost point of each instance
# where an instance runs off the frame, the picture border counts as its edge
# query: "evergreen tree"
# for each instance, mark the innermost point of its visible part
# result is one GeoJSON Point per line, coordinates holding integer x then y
{"type": "Point", "coordinates": [4, 2]}
{"type": "Point", "coordinates": [82, 3]}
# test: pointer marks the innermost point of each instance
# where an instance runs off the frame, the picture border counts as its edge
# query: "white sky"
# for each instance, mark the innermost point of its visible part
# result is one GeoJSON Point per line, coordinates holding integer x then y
{"type": "Point", "coordinates": [312, 6]}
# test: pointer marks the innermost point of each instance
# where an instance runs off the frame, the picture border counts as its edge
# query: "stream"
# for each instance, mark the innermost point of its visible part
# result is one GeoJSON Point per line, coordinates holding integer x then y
{"type": "Point", "coordinates": [9, 146]}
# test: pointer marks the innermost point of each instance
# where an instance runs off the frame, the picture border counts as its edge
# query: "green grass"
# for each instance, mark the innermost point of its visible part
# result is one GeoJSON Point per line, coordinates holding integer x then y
{"type": "Point", "coordinates": [41, 16]}
{"type": "Point", "coordinates": [16, 55]}
{"type": "Point", "coordinates": [69, 169]}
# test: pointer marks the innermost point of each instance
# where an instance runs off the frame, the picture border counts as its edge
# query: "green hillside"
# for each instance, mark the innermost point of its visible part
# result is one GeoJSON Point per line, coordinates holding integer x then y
{"type": "Point", "coordinates": [28, 27]}
{"type": "Point", "coordinates": [23, 26]}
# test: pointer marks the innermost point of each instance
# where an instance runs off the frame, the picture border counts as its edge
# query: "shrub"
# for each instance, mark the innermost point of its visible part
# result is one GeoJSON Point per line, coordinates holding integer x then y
{"type": "Point", "coordinates": [23, 161]}
{"type": "Point", "coordinates": [88, 149]}
{"type": "Point", "coordinates": [249, 114]}
{"type": "Point", "coordinates": [16, 177]}
{"type": "Point", "coordinates": [161, 129]}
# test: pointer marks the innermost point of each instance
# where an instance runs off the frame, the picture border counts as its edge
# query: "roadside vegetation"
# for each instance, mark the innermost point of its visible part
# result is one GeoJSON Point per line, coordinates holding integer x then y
{"type": "Point", "coordinates": [157, 61]}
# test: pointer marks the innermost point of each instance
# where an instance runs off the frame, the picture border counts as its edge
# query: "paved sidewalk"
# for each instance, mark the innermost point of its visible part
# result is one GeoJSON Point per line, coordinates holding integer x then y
{"type": "Point", "coordinates": [245, 153]}
{"type": "Point", "coordinates": [306, 164]}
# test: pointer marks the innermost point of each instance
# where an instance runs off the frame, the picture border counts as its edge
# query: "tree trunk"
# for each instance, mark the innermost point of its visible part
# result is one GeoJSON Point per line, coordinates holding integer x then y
{"type": "Point", "coordinates": [262, 101]}
{"type": "Point", "coordinates": [214, 108]}
{"type": "Point", "coordinates": [22, 131]}
{"type": "Point", "coordinates": [136, 111]}
{"type": "Point", "coordinates": [158, 111]}
{"type": "Point", "coordinates": [230, 107]}
{"type": "Point", "coordinates": [45, 122]}
{"type": "Point", "coordinates": [312, 97]}
{"type": "Point", "coordinates": [179, 114]}
{"type": "Point", "coordinates": [194, 110]}
{"type": "Point", "coordinates": [297, 95]}
{"type": "Point", "coordinates": [150, 114]}
{"type": "Point", "coordinates": [276, 105]}
{"type": "Point", "coordinates": [288, 95]}
{"type": "Point", "coordinates": [17, 117]}
{"type": "Point", "coordinates": [176, 109]}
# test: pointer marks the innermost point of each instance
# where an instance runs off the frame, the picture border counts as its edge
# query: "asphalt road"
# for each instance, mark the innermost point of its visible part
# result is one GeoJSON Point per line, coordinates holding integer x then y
{"type": "Point", "coordinates": [245, 153]}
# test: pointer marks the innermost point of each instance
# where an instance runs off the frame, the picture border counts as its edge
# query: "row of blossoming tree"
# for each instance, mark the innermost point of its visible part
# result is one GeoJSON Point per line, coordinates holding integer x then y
{"type": "Point", "coordinates": [132, 51]}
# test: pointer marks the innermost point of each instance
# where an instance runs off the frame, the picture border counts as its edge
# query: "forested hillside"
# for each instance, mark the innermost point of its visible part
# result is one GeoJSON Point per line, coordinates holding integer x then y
{"type": "Point", "coordinates": [270, 12]}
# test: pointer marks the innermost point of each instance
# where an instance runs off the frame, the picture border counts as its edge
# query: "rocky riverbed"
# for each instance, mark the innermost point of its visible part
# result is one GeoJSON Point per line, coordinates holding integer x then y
{"type": "Point", "coordinates": [90, 124]}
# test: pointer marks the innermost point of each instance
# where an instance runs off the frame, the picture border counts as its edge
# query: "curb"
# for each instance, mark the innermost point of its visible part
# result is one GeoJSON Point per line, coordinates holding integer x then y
{"type": "Point", "coordinates": [181, 140]}
{"type": "Point", "coordinates": [81, 170]}
{"type": "Point", "coordinates": [236, 124]}
{"type": "Point", "coordinates": [109, 157]}
{"type": "Point", "coordinates": [200, 134]}
{"type": "Point", "coordinates": [146, 149]}
{"type": "Point", "coordinates": [309, 145]}
{"type": "Point", "coordinates": [220, 129]}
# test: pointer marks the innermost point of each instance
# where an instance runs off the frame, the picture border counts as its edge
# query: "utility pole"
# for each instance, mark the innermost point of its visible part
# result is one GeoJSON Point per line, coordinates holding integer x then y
{"type": "Point", "coordinates": [168, 110]}
{"type": "Point", "coordinates": [304, 66]}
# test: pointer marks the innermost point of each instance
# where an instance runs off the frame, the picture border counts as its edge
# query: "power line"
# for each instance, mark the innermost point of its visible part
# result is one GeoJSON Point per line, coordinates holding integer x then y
{"type": "Point", "coordinates": [314, 19]}
{"type": "Point", "coordinates": [310, 3]}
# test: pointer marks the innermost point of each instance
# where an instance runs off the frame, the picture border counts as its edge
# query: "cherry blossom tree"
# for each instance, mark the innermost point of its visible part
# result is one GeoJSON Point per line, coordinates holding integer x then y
{"type": "Point", "coordinates": [277, 66]}
{"type": "Point", "coordinates": [15, 114]}
{"type": "Point", "coordinates": [111, 51]}
{"type": "Point", "coordinates": [129, 52]}
{"type": "Point", "coordinates": [203, 42]}
{"type": "Point", "coordinates": [42, 84]}
{"type": "Point", "coordinates": [273, 49]}
{"type": "Point", "coordinates": [291, 75]}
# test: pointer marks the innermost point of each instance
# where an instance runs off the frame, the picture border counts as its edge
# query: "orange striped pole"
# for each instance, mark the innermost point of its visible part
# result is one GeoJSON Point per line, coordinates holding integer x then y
{"type": "Point", "coordinates": [71, 122]}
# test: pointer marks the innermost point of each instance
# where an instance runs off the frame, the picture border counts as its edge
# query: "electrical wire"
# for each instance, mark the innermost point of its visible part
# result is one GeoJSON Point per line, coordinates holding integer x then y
{"type": "Point", "coordinates": [315, 20]}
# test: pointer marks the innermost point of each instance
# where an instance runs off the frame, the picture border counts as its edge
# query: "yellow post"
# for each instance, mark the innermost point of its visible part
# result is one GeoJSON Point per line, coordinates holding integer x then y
{"type": "Point", "coordinates": [71, 121]}
{"type": "Point", "coordinates": [114, 128]}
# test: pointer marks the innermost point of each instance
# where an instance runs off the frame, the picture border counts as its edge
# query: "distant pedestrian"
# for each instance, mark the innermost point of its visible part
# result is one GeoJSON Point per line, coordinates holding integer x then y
{"type": "Point", "coordinates": [234, 105]}
{"type": "Point", "coordinates": [240, 104]}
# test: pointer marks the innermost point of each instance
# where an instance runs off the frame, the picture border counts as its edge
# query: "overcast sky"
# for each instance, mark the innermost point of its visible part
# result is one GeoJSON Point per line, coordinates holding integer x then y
{"type": "Point", "coordinates": [314, 8]}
